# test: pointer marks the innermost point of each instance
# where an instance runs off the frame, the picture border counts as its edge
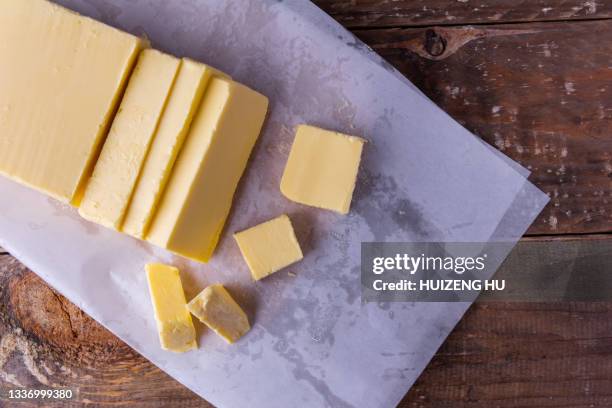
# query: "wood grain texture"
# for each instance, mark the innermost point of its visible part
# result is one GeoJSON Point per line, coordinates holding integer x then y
{"type": "Point", "coordinates": [398, 13]}
{"type": "Point", "coordinates": [522, 355]}
{"type": "Point", "coordinates": [541, 93]}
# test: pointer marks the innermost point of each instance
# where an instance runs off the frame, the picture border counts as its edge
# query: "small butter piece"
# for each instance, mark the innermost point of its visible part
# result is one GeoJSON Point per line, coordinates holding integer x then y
{"type": "Point", "coordinates": [61, 77]}
{"type": "Point", "coordinates": [269, 247]}
{"type": "Point", "coordinates": [219, 311]}
{"type": "Point", "coordinates": [322, 168]}
{"type": "Point", "coordinates": [176, 331]}
{"type": "Point", "coordinates": [110, 188]}
{"type": "Point", "coordinates": [183, 101]}
{"type": "Point", "coordinates": [200, 190]}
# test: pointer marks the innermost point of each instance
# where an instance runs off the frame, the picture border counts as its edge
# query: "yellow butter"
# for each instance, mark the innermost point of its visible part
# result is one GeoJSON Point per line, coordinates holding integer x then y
{"type": "Point", "coordinates": [61, 76]}
{"type": "Point", "coordinates": [269, 247]}
{"type": "Point", "coordinates": [183, 101]}
{"type": "Point", "coordinates": [215, 307]}
{"type": "Point", "coordinates": [322, 168]}
{"type": "Point", "coordinates": [174, 324]}
{"type": "Point", "coordinates": [199, 193]}
{"type": "Point", "coordinates": [112, 183]}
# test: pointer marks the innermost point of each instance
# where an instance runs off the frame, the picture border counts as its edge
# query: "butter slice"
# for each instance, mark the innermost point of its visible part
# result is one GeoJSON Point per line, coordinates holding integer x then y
{"type": "Point", "coordinates": [174, 324]}
{"type": "Point", "coordinates": [269, 247]}
{"type": "Point", "coordinates": [322, 168]}
{"type": "Point", "coordinates": [114, 177]}
{"type": "Point", "coordinates": [216, 308]}
{"type": "Point", "coordinates": [61, 76]}
{"type": "Point", "coordinates": [199, 194]}
{"type": "Point", "coordinates": [183, 101]}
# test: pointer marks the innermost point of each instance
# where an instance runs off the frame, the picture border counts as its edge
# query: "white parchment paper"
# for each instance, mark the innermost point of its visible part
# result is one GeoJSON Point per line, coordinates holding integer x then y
{"type": "Point", "coordinates": [313, 343]}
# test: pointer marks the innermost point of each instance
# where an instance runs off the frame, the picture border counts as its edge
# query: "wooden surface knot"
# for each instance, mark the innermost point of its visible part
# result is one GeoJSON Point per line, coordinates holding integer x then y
{"type": "Point", "coordinates": [435, 44]}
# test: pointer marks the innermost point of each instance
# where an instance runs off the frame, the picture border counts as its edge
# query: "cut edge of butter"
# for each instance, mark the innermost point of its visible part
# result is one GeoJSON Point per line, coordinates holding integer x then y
{"type": "Point", "coordinates": [218, 310]}
{"type": "Point", "coordinates": [115, 175]}
{"type": "Point", "coordinates": [108, 121]}
{"type": "Point", "coordinates": [269, 247]}
{"type": "Point", "coordinates": [315, 177]}
{"type": "Point", "coordinates": [223, 133]}
{"type": "Point", "coordinates": [183, 102]}
{"type": "Point", "coordinates": [174, 325]}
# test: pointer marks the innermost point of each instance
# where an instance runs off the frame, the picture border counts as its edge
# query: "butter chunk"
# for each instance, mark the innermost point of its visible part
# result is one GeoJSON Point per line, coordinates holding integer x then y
{"type": "Point", "coordinates": [215, 307]}
{"type": "Point", "coordinates": [61, 75]}
{"type": "Point", "coordinates": [200, 191]}
{"type": "Point", "coordinates": [322, 168]}
{"type": "Point", "coordinates": [269, 247]}
{"type": "Point", "coordinates": [183, 101]}
{"type": "Point", "coordinates": [174, 324]}
{"type": "Point", "coordinates": [110, 188]}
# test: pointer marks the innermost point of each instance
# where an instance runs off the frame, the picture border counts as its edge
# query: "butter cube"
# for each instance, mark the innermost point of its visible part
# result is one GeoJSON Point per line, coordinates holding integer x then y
{"type": "Point", "coordinates": [174, 324]}
{"type": "Point", "coordinates": [269, 247]}
{"type": "Point", "coordinates": [184, 99]}
{"type": "Point", "coordinates": [193, 208]}
{"type": "Point", "coordinates": [215, 307]}
{"type": "Point", "coordinates": [114, 177]}
{"type": "Point", "coordinates": [322, 169]}
{"type": "Point", "coordinates": [61, 77]}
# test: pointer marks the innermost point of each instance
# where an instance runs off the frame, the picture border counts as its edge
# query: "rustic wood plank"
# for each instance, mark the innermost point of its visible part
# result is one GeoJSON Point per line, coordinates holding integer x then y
{"type": "Point", "coordinates": [509, 354]}
{"type": "Point", "coordinates": [538, 92]}
{"type": "Point", "coordinates": [527, 355]}
{"type": "Point", "coordinates": [403, 13]}
{"type": "Point", "coordinates": [47, 342]}
{"type": "Point", "coordinates": [500, 354]}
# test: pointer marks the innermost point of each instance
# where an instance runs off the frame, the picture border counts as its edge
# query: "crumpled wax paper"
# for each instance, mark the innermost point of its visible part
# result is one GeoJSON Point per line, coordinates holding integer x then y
{"type": "Point", "coordinates": [313, 343]}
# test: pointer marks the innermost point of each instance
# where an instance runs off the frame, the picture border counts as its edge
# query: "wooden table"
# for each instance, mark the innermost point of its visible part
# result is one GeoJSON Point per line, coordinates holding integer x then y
{"type": "Point", "coordinates": [534, 79]}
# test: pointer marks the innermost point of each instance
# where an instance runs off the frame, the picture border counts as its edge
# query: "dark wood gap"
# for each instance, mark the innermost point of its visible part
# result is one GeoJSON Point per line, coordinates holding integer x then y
{"type": "Point", "coordinates": [475, 24]}
{"type": "Point", "coordinates": [568, 236]}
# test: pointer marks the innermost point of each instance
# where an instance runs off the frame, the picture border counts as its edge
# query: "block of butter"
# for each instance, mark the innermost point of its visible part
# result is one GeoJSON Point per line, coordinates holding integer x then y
{"type": "Point", "coordinates": [112, 183]}
{"type": "Point", "coordinates": [322, 168]}
{"type": "Point", "coordinates": [61, 76]}
{"type": "Point", "coordinates": [184, 99]}
{"type": "Point", "coordinates": [269, 247]}
{"type": "Point", "coordinates": [215, 307]}
{"type": "Point", "coordinates": [174, 324]}
{"type": "Point", "coordinates": [197, 199]}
